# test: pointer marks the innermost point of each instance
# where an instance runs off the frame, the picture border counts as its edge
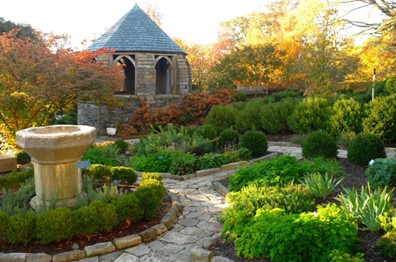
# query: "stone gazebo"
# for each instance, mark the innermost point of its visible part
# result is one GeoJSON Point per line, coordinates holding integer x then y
{"type": "Point", "coordinates": [154, 66]}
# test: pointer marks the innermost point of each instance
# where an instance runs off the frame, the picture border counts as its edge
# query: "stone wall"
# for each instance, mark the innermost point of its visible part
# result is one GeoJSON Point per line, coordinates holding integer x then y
{"type": "Point", "coordinates": [101, 116]}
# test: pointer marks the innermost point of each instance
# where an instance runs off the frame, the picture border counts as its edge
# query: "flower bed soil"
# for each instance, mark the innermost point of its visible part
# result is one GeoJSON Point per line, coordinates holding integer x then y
{"type": "Point", "coordinates": [81, 241]}
{"type": "Point", "coordinates": [354, 177]}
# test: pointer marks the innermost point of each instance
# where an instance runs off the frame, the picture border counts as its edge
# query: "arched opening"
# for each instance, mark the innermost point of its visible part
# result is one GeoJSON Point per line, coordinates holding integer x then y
{"type": "Point", "coordinates": [129, 82]}
{"type": "Point", "coordinates": [163, 69]}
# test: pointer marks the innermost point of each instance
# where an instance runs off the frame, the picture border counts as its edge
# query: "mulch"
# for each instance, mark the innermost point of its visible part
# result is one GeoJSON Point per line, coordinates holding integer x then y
{"type": "Point", "coordinates": [354, 177]}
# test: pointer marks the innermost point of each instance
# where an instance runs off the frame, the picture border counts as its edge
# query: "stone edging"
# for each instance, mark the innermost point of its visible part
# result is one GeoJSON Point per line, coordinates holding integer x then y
{"type": "Point", "coordinates": [148, 235]}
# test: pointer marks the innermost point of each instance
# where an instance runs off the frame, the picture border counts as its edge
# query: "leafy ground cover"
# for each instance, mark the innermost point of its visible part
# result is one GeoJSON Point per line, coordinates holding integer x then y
{"type": "Point", "coordinates": [354, 177]}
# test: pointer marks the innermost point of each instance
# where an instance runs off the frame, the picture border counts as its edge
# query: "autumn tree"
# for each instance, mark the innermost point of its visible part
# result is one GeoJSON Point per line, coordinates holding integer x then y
{"type": "Point", "coordinates": [22, 30]}
{"type": "Point", "coordinates": [37, 80]}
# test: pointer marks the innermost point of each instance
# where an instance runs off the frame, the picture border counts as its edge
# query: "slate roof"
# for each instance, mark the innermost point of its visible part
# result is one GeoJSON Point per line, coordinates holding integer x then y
{"type": "Point", "coordinates": [136, 32]}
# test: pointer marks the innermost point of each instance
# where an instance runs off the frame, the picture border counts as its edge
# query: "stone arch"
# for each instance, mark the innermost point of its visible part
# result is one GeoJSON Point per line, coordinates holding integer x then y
{"type": "Point", "coordinates": [129, 69]}
{"type": "Point", "coordinates": [163, 72]}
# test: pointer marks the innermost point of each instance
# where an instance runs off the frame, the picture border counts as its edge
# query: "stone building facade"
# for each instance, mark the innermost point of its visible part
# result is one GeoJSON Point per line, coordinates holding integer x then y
{"type": "Point", "coordinates": [155, 69]}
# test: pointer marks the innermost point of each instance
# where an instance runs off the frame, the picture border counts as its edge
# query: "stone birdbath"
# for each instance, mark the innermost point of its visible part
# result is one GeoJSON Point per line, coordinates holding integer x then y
{"type": "Point", "coordinates": [55, 151]}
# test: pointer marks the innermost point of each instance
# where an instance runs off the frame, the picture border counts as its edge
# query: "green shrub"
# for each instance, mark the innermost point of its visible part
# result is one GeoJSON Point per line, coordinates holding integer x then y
{"type": "Point", "coordinates": [319, 144]}
{"type": "Point", "coordinates": [256, 142]}
{"type": "Point", "coordinates": [248, 118]}
{"type": "Point", "coordinates": [125, 174]}
{"type": "Point", "coordinates": [55, 225]}
{"type": "Point", "coordinates": [221, 117]}
{"type": "Point", "coordinates": [292, 199]}
{"type": "Point", "coordinates": [12, 202]}
{"type": "Point", "coordinates": [121, 145]}
{"type": "Point", "coordinates": [182, 163]}
{"type": "Point", "coordinates": [154, 184]}
{"type": "Point", "coordinates": [207, 131]}
{"type": "Point", "coordinates": [156, 176]}
{"type": "Point", "coordinates": [211, 160]}
{"type": "Point", "coordinates": [278, 171]}
{"type": "Point", "coordinates": [20, 228]}
{"type": "Point", "coordinates": [237, 155]}
{"type": "Point", "coordinates": [382, 172]}
{"type": "Point", "coordinates": [106, 155]}
{"type": "Point", "coordinates": [273, 117]}
{"type": "Point", "coordinates": [390, 85]}
{"type": "Point", "coordinates": [22, 158]}
{"type": "Point", "coordinates": [310, 114]}
{"type": "Point", "coordinates": [367, 205]}
{"type": "Point", "coordinates": [346, 116]}
{"type": "Point", "coordinates": [298, 237]}
{"type": "Point", "coordinates": [96, 217]}
{"type": "Point", "coordinates": [149, 201]}
{"type": "Point", "coordinates": [99, 171]}
{"type": "Point", "coordinates": [228, 137]}
{"type": "Point", "coordinates": [128, 208]}
{"type": "Point", "coordinates": [386, 245]}
{"type": "Point", "coordinates": [13, 180]}
{"type": "Point", "coordinates": [158, 162]}
{"type": "Point", "coordinates": [320, 185]}
{"type": "Point", "coordinates": [365, 147]}
{"type": "Point", "coordinates": [380, 120]}
{"type": "Point", "coordinates": [245, 203]}
{"type": "Point", "coordinates": [239, 97]}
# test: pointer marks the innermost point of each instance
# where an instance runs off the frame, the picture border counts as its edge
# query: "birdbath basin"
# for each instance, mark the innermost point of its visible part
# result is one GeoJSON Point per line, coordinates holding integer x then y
{"type": "Point", "coordinates": [55, 151]}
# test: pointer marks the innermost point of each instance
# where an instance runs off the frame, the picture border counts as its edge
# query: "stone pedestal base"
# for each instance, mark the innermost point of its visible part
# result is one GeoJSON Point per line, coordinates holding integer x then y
{"type": "Point", "coordinates": [36, 202]}
{"type": "Point", "coordinates": [60, 183]}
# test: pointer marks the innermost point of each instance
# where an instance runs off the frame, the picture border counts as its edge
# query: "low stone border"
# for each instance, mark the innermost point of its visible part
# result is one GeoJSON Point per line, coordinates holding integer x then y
{"type": "Point", "coordinates": [166, 223]}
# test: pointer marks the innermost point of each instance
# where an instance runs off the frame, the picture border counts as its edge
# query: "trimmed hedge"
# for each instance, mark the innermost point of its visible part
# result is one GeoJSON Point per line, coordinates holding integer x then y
{"type": "Point", "coordinates": [319, 144]}
{"type": "Point", "coordinates": [365, 147]}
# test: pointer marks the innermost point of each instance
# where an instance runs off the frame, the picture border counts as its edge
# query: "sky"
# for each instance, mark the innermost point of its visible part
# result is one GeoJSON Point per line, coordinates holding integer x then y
{"type": "Point", "coordinates": [191, 21]}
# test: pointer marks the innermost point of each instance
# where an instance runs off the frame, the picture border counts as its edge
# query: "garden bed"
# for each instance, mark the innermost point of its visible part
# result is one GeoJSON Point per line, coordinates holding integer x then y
{"type": "Point", "coordinates": [81, 241]}
{"type": "Point", "coordinates": [354, 177]}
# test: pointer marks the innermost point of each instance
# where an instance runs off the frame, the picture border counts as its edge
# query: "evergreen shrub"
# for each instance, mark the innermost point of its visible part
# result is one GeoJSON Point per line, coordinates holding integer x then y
{"type": "Point", "coordinates": [228, 137]}
{"type": "Point", "coordinates": [221, 117]}
{"type": "Point", "coordinates": [128, 208]}
{"type": "Point", "coordinates": [382, 172]}
{"type": "Point", "coordinates": [273, 117]}
{"type": "Point", "coordinates": [121, 145]}
{"type": "Point", "coordinates": [96, 217]}
{"type": "Point", "coordinates": [125, 174]}
{"type": "Point", "coordinates": [390, 85]}
{"type": "Point", "coordinates": [211, 160]}
{"type": "Point", "coordinates": [319, 144]}
{"type": "Point", "coordinates": [365, 147]}
{"type": "Point", "coordinates": [380, 120]}
{"type": "Point", "coordinates": [55, 225]}
{"type": "Point", "coordinates": [346, 116]}
{"type": "Point", "coordinates": [255, 141]}
{"type": "Point", "coordinates": [309, 115]}
{"type": "Point", "coordinates": [20, 228]}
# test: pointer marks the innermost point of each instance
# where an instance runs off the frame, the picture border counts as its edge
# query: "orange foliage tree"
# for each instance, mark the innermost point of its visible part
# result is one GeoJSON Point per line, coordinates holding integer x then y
{"type": "Point", "coordinates": [39, 78]}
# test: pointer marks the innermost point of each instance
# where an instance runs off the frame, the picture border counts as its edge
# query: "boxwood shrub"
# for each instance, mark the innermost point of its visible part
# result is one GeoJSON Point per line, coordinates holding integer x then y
{"type": "Point", "coordinates": [255, 141]}
{"type": "Point", "coordinates": [319, 144]}
{"type": "Point", "coordinates": [365, 147]}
